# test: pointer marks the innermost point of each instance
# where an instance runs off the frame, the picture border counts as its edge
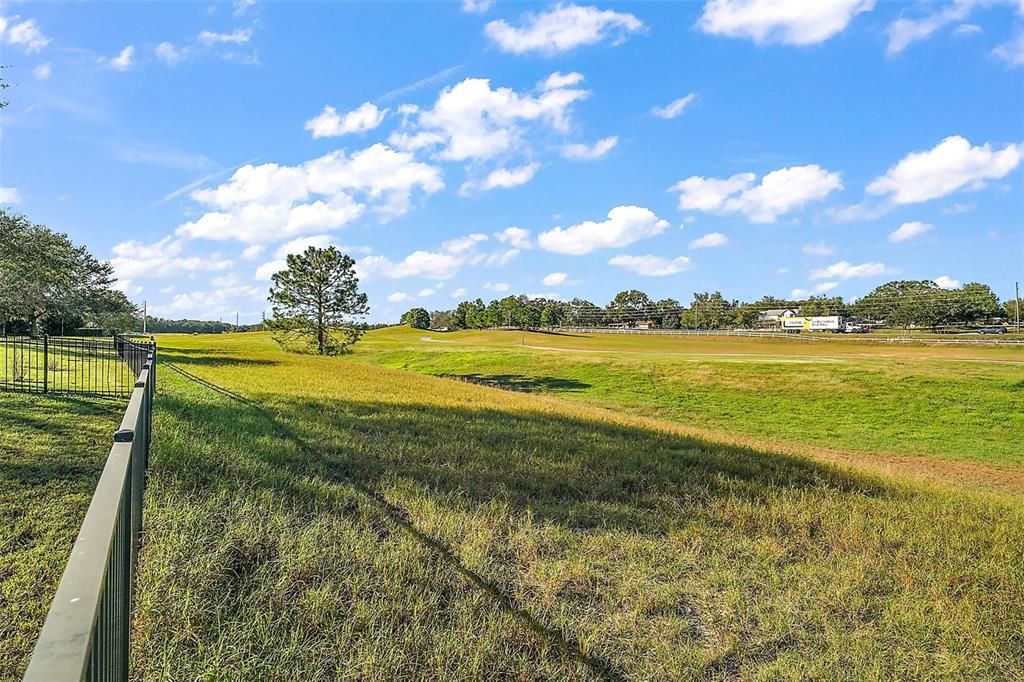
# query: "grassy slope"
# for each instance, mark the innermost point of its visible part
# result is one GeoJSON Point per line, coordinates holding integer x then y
{"type": "Point", "coordinates": [659, 556]}
{"type": "Point", "coordinates": [51, 454]}
{"type": "Point", "coordinates": [960, 403]}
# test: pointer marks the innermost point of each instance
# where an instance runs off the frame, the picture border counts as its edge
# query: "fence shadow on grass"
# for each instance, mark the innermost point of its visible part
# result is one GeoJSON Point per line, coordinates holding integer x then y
{"type": "Point", "coordinates": [210, 358]}
{"type": "Point", "coordinates": [575, 472]}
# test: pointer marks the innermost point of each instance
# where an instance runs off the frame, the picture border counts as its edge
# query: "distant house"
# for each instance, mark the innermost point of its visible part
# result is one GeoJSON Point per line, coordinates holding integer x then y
{"type": "Point", "coordinates": [772, 316]}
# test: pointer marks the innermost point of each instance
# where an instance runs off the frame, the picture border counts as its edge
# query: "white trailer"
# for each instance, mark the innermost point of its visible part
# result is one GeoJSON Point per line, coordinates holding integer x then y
{"type": "Point", "coordinates": [824, 323]}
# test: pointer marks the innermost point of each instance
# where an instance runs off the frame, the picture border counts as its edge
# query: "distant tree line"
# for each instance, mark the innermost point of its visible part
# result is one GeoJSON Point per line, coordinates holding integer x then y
{"type": "Point", "coordinates": [50, 285]}
{"type": "Point", "coordinates": [899, 304]}
{"type": "Point", "coordinates": [160, 325]}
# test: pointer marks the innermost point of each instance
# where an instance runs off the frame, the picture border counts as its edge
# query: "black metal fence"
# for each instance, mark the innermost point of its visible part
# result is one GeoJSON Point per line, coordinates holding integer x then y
{"type": "Point", "coordinates": [57, 364]}
{"type": "Point", "coordinates": [87, 631]}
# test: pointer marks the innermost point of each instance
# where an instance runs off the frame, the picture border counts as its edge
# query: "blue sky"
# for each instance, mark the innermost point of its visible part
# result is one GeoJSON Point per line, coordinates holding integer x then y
{"type": "Point", "coordinates": [469, 149]}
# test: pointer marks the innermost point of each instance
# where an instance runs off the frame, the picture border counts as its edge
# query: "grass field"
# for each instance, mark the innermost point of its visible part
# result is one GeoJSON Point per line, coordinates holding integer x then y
{"type": "Point", "coordinates": [325, 518]}
{"type": "Point", "coordinates": [962, 403]}
{"type": "Point", "coordinates": [52, 451]}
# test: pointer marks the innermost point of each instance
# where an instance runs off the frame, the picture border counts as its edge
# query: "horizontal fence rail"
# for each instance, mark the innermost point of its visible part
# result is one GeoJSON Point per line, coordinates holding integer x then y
{"type": "Point", "coordinates": [684, 332]}
{"type": "Point", "coordinates": [86, 634]}
{"type": "Point", "coordinates": [69, 365]}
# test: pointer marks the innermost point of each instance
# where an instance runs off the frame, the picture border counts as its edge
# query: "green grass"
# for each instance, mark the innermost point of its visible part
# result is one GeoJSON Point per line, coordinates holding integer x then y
{"type": "Point", "coordinates": [52, 451]}
{"type": "Point", "coordinates": [72, 365]}
{"type": "Point", "coordinates": [964, 404]}
{"type": "Point", "coordinates": [365, 522]}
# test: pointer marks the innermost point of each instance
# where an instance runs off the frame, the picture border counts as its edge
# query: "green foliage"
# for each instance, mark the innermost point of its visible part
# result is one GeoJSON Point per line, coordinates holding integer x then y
{"type": "Point", "coordinates": [709, 311]}
{"type": "Point", "coordinates": [47, 281]}
{"type": "Point", "coordinates": [747, 316]}
{"type": "Point", "coordinates": [417, 318]}
{"type": "Point", "coordinates": [314, 300]}
{"type": "Point", "coordinates": [922, 303]}
{"type": "Point", "coordinates": [1012, 308]}
{"type": "Point", "coordinates": [159, 325]}
{"type": "Point", "coordinates": [441, 319]}
{"type": "Point", "coordinates": [896, 303]}
{"type": "Point", "coordinates": [823, 306]}
{"type": "Point", "coordinates": [629, 307]}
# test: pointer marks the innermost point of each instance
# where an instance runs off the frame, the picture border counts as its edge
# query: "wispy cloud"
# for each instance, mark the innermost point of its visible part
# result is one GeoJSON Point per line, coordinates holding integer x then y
{"type": "Point", "coordinates": [433, 79]}
{"type": "Point", "coordinates": [184, 189]}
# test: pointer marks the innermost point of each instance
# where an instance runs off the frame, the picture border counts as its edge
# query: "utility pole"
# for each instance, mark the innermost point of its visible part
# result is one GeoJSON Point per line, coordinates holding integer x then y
{"type": "Point", "coordinates": [1016, 302]}
{"type": "Point", "coordinates": [145, 314]}
{"type": "Point", "coordinates": [236, 321]}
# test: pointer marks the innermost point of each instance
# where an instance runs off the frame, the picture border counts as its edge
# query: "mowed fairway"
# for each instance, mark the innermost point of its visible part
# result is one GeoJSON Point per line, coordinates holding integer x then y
{"type": "Point", "coordinates": [317, 518]}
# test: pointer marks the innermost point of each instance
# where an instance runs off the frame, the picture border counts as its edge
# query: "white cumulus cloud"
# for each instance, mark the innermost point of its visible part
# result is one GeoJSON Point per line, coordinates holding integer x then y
{"type": "Point", "coordinates": [516, 237]}
{"type": "Point", "coordinates": [951, 165]}
{"type": "Point", "coordinates": [329, 123]}
{"type": "Point", "coordinates": [789, 22]}
{"type": "Point", "coordinates": [136, 260]}
{"type": "Point", "coordinates": [562, 28]}
{"type": "Point", "coordinates": [710, 240]}
{"type": "Point", "coordinates": [42, 71]}
{"type": "Point", "coordinates": [909, 230]}
{"type": "Point", "coordinates": [9, 195]}
{"type": "Point", "coordinates": [501, 178]}
{"type": "Point", "coordinates": [122, 62]}
{"type": "Point", "coordinates": [269, 202]}
{"type": "Point", "coordinates": [779, 192]}
{"type": "Point", "coordinates": [430, 264]}
{"type": "Point", "coordinates": [946, 282]}
{"type": "Point", "coordinates": [623, 226]}
{"type": "Point", "coordinates": [463, 245]}
{"type": "Point", "coordinates": [651, 266]}
{"type": "Point", "coordinates": [554, 279]}
{"type": "Point", "coordinates": [25, 34]}
{"type": "Point", "coordinates": [473, 121]}
{"type": "Point", "coordinates": [846, 270]}
{"type": "Point", "coordinates": [583, 152]}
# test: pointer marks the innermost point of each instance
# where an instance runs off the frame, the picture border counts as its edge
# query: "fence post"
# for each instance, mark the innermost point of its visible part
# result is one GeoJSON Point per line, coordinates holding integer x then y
{"type": "Point", "coordinates": [46, 362]}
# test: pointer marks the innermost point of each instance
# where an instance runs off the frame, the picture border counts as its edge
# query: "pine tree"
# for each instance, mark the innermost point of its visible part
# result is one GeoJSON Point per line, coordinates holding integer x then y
{"type": "Point", "coordinates": [313, 300]}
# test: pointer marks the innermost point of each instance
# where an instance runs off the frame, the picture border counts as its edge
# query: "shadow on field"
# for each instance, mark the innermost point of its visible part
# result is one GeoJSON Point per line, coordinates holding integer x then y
{"type": "Point", "coordinates": [577, 473]}
{"type": "Point", "coordinates": [208, 358]}
{"type": "Point", "coordinates": [519, 382]}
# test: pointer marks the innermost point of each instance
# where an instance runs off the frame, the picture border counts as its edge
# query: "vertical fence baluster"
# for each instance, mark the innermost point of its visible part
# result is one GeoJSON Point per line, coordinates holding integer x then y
{"type": "Point", "coordinates": [63, 651]}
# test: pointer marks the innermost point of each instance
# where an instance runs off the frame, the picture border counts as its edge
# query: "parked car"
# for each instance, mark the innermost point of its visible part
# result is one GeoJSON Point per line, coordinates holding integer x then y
{"type": "Point", "coordinates": [853, 328]}
{"type": "Point", "coordinates": [995, 329]}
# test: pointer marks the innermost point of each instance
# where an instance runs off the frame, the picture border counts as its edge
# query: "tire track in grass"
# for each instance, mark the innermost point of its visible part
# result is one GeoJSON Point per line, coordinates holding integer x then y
{"type": "Point", "coordinates": [569, 647]}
